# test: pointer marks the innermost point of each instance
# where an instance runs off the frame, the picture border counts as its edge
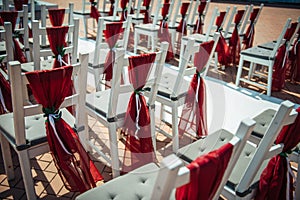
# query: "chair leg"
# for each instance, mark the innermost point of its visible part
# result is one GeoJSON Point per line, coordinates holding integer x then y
{"type": "Point", "coordinates": [239, 72]}
{"type": "Point", "coordinates": [153, 43]}
{"type": "Point", "coordinates": [26, 173]}
{"type": "Point", "coordinates": [270, 74]}
{"type": "Point", "coordinates": [297, 191]}
{"type": "Point", "coordinates": [85, 26]}
{"type": "Point", "coordinates": [152, 118]}
{"type": "Point", "coordinates": [182, 47]}
{"type": "Point", "coordinates": [251, 70]}
{"type": "Point", "coordinates": [7, 159]}
{"type": "Point", "coordinates": [135, 42]}
{"type": "Point", "coordinates": [97, 79]}
{"type": "Point", "coordinates": [175, 128]}
{"type": "Point", "coordinates": [113, 142]}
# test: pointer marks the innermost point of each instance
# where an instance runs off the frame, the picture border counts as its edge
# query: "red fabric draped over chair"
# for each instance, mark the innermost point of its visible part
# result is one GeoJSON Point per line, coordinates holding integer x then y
{"type": "Point", "coordinates": [57, 40]}
{"type": "Point", "coordinates": [163, 32]}
{"type": "Point", "coordinates": [147, 18]}
{"type": "Point", "coordinates": [56, 16]}
{"type": "Point", "coordinates": [76, 169]}
{"type": "Point", "coordinates": [234, 42]}
{"type": "Point", "coordinates": [199, 23]}
{"type": "Point", "coordinates": [249, 35]}
{"type": "Point", "coordinates": [281, 61]}
{"type": "Point", "coordinates": [276, 181]}
{"type": "Point", "coordinates": [112, 34]}
{"type": "Point", "coordinates": [19, 4]}
{"type": "Point", "coordinates": [182, 24]}
{"type": "Point", "coordinates": [206, 173]}
{"type": "Point", "coordinates": [139, 148]}
{"type": "Point", "coordinates": [222, 47]}
{"type": "Point", "coordinates": [5, 96]}
{"type": "Point", "coordinates": [193, 118]}
{"type": "Point", "coordinates": [11, 16]}
{"type": "Point", "coordinates": [111, 10]}
{"type": "Point", "coordinates": [292, 69]}
{"type": "Point", "coordinates": [94, 12]}
{"type": "Point", "coordinates": [123, 4]}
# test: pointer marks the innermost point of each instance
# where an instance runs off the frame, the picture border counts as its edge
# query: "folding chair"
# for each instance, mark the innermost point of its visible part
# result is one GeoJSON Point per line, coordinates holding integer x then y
{"type": "Point", "coordinates": [24, 129]}
{"type": "Point", "coordinates": [43, 58]}
{"type": "Point", "coordinates": [97, 57]}
{"type": "Point", "coordinates": [173, 88]}
{"type": "Point", "coordinates": [109, 106]}
{"type": "Point", "coordinates": [264, 57]}
{"type": "Point", "coordinates": [153, 182]}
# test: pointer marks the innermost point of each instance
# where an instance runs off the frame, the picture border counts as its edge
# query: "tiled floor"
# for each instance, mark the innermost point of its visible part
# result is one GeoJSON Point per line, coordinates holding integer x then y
{"type": "Point", "coordinates": [48, 182]}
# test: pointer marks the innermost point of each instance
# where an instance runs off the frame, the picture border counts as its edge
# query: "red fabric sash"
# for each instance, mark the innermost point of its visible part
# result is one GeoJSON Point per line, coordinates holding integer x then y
{"type": "Point", "coordinates": [19, 4]}
{"type": "Point", "coordinates": [138, 148]}
{"type": "Point", "coordinates": [294, 57]}
{"type": "Point", "coordinates": [123, 4]}
{"type": "Point", "coordinates": [273, 180]}
{"type": "Point", "coordinates": [57, 40]}
{"type": "Point", "coordinates": [6, 94]}
{"type": "Point", "coordinates": [49, 88]}
{"type": "Point", "coordinates": [56, 16]}
{"type": "Point", "coordinates": [111, 10]}
{"type": "Point", "coordinates": [147, 18]}
{"type": "Point", "coordinates": [249, 35]}
{"type": "Point", "coordinates": [234, 42]}
{"type": "Point", "coordinates": [193, 118]}
{"type": "Point", "coordinates": [112, 34]}
{"type": "Point", "coordinates": [94, 12]}
{"type": "Point", "coordinates": [182, 24]}
{"type": "Point", "coordinates": [199, 23]}
{"type": "Point", "coordinates": [163, 33]}
{"type": "Point", "coordinates": [206, 173]}
{"type": "Point", "coordinates": [11, 16]}
{"type": "Point", "coordinates": [222, 47]}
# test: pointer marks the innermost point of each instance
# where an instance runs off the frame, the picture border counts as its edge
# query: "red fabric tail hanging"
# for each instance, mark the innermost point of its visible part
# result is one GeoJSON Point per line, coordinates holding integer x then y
{"type": "Point", "coordinates": [193, 119]}
{"type": "Point", "coordinates": [249, 35]}
{"type": "Point", "coordinates": [182, 24]}
{"type": "Point", "coordinates": [19, 4]}
{"type": "Point", "coordinates": [139, 148]}
{"type": "Point", "coordinates": [147, 18]}
{"type": "Point", "coordinates": [163, 32]}
{"type": "Point", "coordinates": [56, 16]}
{"type": "Point", "coordinates": [112, 34]}
{"type": "Point", "coordinates": [273, 183]}
{"type": "Point", "coordinates": [111, 10]}
{"type": "Point", "coordinates": [57, 40]}
{"type": "Point", "coordinates": [206, 173]}
{"type": "Point", "coordinates": [94, 12]}
{"type": "Point", "coordinates": [222, 47]}
{"type": "Point", "coordinates": [11, 16]}
{"type": "Point", "coordinates": [199, 23]}
{"type": "Point", "coordinates": [123, 4]}
{"type": "Point", "coordinates": [5, 96]}
{"type": "Point", "coordinates": [76, 169]}
{"type": "Point", "coordinates": [234, 42]}
{"type": "Point", "coordinates": [296, 60]}
{"type": "Point", "coordinates": [278, 77]}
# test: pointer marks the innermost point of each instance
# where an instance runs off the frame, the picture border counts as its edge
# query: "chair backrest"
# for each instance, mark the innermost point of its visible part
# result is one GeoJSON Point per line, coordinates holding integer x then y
{"type": "Point", "coordinates": [117, 89]}
{"type": "Point", "coordinates": [193, 11]}
{"type": "Point", "coordinates": [20, 99]}
{"type": "Point", "coordinates": [68, 11]}
{"type": "Point", "coordinates": [247, 20]}
{"type": "Point", "coordinates": [283, 116]}
{"type": "Point", "coordinates": [38, 52]}
{"type": "Point", "coordinates": [231, 23]}
{"type": "Point", "coordinates": [101, 44]}
{"type": "Point", "coordinates": [174, 13]}
{"type": "Point", "coordinates": [237, 141]}
{"type": "Point", "coordinates": [22, 31]}
{"type": "Point", "coordinates": [280, 39]}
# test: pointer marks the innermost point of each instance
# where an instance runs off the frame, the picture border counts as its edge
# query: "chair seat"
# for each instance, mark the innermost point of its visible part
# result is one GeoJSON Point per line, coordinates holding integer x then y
{"type": "Point", "coordinates": [112, 18]}
{"type": "Point", "coordinates": [2, 47]}
{"type": "Point", "coordinates": [257, 52]}
{"type": "Point", "coordinates": [147, 27]}
{"type": "Point", "coordinates": [140, 182]}
{"type": "Point", "coordinates": [197, 37]}
{"type": "Point", "coordinates": [202, 146]}
{"type": "Point", "coordinates": [268, 45]}
{"type": "Point", "coordinates": [95, 102]}
{"type": "Point", "coordinates": [101, 58]}
{"type": "Point", "coordinates": [45, 64]}
{"type": "Point", "coordinates": [167, 84]}
{"type": "Point", "coordinates": [86, 12]}
{"type": "Point", "coordinates": [34, 126]}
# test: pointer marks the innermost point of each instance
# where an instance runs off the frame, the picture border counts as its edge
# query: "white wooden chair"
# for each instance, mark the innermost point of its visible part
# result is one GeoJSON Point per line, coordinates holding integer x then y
{"type": "Point", "coordinates": [153, 182]}
{"type": "Point", "coordinates": [264, 57]}
{"type": "Point", "coordinates": [193, 15]}
{"type": "Point", "coordinates": [24, 129]}
{"type": "Point", "coordinates": [138, 8]}
{"type": "Point", "coordinates": [43, 58]}
{"type": "Point", "coordinates": [98, 56]}
{"type": "Point", "coordinates": [109, 106]}
{"type": "Point", "coordinates": [173, 88]}
{"type": "Point", "coordinates": [151, 29]}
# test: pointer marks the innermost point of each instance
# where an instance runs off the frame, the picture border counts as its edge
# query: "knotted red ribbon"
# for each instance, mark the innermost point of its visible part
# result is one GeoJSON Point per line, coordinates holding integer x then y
{"type": "Point", "coordinates": [199, 23]}
{"type": "Point", "coordinates": [94, 12]}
